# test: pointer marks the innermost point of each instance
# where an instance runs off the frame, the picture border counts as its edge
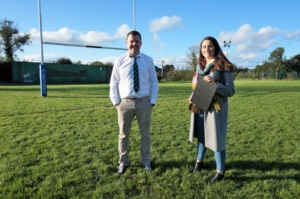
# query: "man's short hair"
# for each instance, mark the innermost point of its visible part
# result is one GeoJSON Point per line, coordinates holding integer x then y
{"type": "Point", "coordinates": [134, 32]}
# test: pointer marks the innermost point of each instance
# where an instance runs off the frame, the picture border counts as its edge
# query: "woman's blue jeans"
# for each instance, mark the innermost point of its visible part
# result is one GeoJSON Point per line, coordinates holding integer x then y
{"type": "Point", "coordinates": [201, 149]}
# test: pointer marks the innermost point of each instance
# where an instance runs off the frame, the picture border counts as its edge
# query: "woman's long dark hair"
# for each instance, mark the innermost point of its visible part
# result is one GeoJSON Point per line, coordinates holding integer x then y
{"type": "Point", "coordinates": [221, 62]}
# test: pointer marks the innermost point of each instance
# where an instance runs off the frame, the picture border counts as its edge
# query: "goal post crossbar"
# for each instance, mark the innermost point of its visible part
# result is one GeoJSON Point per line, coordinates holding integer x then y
{"type": "Point", "coordinates": [85, 46]}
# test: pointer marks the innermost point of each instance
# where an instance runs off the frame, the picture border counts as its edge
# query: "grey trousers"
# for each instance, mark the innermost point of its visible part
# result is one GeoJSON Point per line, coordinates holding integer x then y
{"type": "Point", "coordinates": [127, 109]}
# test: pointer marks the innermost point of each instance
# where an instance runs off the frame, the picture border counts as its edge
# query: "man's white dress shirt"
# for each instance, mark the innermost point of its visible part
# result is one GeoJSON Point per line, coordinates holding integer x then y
{"type": "Point", "coordinates": [121, 82]}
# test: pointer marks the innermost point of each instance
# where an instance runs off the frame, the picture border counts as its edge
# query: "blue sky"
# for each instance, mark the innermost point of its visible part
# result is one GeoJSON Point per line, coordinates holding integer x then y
{"type": "Point", "coordinates": [168, 27]}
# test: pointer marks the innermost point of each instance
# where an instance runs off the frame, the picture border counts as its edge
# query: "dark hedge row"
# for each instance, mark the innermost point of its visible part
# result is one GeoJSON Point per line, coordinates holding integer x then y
{"type": "Point", "coordinates": [5, 72]}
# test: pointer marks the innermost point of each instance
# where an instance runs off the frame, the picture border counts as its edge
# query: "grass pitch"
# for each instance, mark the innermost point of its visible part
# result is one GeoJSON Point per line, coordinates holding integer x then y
{"type": "Point", "coordinates": [65, 145]}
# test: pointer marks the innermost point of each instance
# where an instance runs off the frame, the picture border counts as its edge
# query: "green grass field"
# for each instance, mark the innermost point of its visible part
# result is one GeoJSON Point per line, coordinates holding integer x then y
{"type": "Point", "coordinates": [65, 145]}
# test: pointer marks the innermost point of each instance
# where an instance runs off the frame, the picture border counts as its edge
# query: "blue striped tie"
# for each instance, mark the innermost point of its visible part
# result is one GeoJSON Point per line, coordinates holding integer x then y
{"type": "Point", "coordinates": [136, 79]}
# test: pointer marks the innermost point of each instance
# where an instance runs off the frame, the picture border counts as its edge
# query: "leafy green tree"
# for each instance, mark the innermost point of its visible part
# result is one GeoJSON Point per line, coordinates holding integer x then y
{"type": "Point", "coordinates": [97, 63]}
{"type": "Point", "coordinates": [276, 60]}
{"type": "Point", "coordinates": [78, 62]}
{"type": "Point", "coordinates": [169, 67]}
{"type": "Point", "coordinates": [11, 41]}
{"type": "Point", "coordinates": [274, 64]}
{"type": "Point", "coordinates": [241, 69]}
{"type": "Point", "coordinates": [110, 64]}
{"type": "Point", "coordinates": [293, 64]}
{"type": "Point", "coordinates": [276, 55]}
{"type": "Point", "coordinates": [1, 59]}
{"type": "Point", "coordinates": [258, 69]}
{"type": "Point", "coordinates": [192, 57]}
{"type": "Point", "coordinates": [63, 60]}
{"type": "Point", "coordinates": [158, 75]}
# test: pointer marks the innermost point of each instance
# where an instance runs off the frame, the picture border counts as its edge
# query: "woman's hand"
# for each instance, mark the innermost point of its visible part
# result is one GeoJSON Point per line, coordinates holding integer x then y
{"type": "Point", "coordinates": [190, 99]}
{"type": "Point", "coordinates": [208, 79]}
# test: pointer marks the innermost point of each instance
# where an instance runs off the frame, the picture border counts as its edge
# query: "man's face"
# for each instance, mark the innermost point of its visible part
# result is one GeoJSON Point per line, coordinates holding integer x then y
{"type": "Point", "coordinates": [133, 44]}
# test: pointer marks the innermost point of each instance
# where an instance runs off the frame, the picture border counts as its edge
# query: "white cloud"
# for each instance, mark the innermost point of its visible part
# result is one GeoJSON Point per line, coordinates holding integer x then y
{"type": "Point", "coordinates": [178, 62]}
{"type": "Point", "coordinates": [62, 35]}
{"type": "Point", "coordinates": [122, 31]}
{"type": "Point", "coordinates": [248, 55]}
{"type": "Point", "coordinates": [37, 57]}
{"type": "Point", "coordinates": [165, 22]}
{"type": "Point", "coordinates": [93, 37]}
{"type": "Point", "coordinates": [241, 47]}
{"type": "Point", "coordinates": [251, 46]}
{"type": "Point", "coordinates": [249, 41]}
{"type": "Point", "coordinates": [108, 59]}
{"type": "Point", "coordinates": [159, 47]}
{"type": "Point", "coordinates": [293, 35]}
{"type": "Point", "coordinates": [65, 35]}
{"type": "Point", "coordinates": [155, 37]}
{"type": "Point", "coordinates": [269, 31]}
{"type": "Point", "coordinates": [34, 35]}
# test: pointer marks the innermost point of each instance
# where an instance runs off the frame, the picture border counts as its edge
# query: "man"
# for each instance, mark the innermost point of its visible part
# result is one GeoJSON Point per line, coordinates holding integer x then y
{"type": "Point", "coordinates": [133, 91]}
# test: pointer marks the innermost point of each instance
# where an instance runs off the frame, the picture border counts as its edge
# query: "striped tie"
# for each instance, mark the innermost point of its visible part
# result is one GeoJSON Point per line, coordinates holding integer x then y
{"type": "Point", "coordinates": [136, 79]}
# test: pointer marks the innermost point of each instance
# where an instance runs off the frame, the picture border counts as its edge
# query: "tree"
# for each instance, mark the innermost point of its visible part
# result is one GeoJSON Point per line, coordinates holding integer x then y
{"type": "Point", "coordinates": [293, 64]}
{"type": "Point", "coordinates": [276, 59]}
{"type": "Point", "coordinates": [169, 67]}
{"type": "Point", "coordinates": [158, 75]}
{"type": "Point", "coordinates": [11, 40]}
{"type": "Point", "coordinates": [192, 56]}
{"type": "Point", "coordinates": [78, 62]}
{"type": "Point", "coordinates": [110, 64]}
{"type": "Point", "coordinates": [1, 58]}
{"type": "Point", "coordinates": [276, 55]}
{"type": "Point", "coordinates": [97, 63]}
{"type": "Point", "coordinates": [275, 64]}
{"type": "Point", "coordinates": [258, 69]}
{"type": "Point", "coordinates": [63, 60]}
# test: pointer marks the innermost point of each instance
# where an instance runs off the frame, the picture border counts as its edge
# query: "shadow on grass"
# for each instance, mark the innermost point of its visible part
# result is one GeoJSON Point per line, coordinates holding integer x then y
{"type": "Point", "coordinates": [60, 88]}
{"type": "Point", "coordinates": [241, 166]}
{"type": "Point", "coordinates": [264, 177]}
{"type": "Point", "coordinates": [20, 89]}
{"type": "Point", "coordinates": [262, 165]}
{"type": "Point", "coordinates": [75, 97]}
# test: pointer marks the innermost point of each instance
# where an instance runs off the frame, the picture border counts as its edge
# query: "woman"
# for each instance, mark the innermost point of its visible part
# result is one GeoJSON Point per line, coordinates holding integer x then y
{"type": "Point", "coordinates": [210, 127]}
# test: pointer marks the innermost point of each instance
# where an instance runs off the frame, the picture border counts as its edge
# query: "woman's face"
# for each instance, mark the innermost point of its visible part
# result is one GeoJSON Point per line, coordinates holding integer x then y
{"type": "Point", "coordinates": [208, 49]}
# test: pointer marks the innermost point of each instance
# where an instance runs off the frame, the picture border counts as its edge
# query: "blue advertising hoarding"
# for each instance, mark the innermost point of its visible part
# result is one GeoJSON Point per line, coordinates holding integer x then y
{"type": "Point", "coordinates": [43, 80]}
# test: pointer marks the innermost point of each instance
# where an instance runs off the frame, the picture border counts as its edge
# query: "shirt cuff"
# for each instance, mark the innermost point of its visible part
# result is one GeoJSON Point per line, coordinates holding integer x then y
{"type": "Point", "coordinates": [116, 102]}
{"type": "Point", "coordinates": [152, 101]}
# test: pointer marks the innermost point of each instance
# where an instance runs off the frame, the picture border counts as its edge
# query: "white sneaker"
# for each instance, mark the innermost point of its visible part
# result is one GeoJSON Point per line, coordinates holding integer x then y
{"type": "Point", "coordinates": [148, 167]}
{"type": "Point", "coordinates": [121, 169]}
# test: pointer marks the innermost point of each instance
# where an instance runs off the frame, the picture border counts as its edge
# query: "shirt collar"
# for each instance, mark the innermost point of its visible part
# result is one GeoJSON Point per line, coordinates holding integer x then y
{"type": "Point", "coordinates": [139, 55]}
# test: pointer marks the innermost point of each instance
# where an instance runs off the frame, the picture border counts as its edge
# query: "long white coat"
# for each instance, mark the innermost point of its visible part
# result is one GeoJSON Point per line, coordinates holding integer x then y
{"type": "Point", "coordinates": [215, 124]}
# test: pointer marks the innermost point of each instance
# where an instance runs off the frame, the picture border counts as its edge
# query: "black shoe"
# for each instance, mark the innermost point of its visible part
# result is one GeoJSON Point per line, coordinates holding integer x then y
{"type": "Point", "coordinates": [217, 177]}
{"type": "Point", "coordinates": [122, 169]}
{"type": "Point", "coordinates": [198, 167]}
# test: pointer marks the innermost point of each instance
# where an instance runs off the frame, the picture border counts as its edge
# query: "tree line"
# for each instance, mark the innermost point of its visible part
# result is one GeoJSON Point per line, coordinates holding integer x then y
{"type": "Point", "coordinates": [276, 67]}
{"type": "Point", "coordinates": [65, 60]}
